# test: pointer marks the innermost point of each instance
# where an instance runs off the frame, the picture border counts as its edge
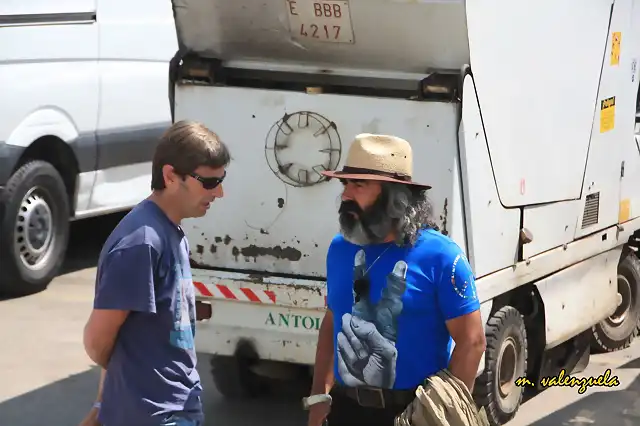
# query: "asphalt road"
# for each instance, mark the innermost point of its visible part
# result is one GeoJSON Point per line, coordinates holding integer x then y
{"type": "Point", "coordinates": [46, 379]}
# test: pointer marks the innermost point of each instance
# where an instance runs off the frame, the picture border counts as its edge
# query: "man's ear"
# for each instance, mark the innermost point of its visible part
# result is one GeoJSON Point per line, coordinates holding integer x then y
{"type": "Point", "coordinates": [169, 175]}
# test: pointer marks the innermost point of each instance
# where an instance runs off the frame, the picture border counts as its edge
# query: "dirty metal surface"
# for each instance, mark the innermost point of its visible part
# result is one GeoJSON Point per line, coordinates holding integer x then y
{"type": "Point", "coordinates": [389, 35]}
{"type": "Point", "coordinates": [287, 292]}
{"type": "Point", "coordinates": [282, 220]}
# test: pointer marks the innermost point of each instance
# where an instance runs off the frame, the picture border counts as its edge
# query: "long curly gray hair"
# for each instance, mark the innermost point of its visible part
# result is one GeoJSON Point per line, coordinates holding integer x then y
{"type": "Point", "coordinates": [401, 209]}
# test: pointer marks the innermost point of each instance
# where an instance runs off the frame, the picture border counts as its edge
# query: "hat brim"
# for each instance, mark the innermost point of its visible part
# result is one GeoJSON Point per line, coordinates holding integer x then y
{"type": "Point", "coordinates": [369, 176]}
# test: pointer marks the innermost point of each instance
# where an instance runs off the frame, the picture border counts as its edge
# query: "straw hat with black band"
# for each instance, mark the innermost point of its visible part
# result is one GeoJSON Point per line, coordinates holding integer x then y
{"type": "Point", "coordinates": [378, 157]}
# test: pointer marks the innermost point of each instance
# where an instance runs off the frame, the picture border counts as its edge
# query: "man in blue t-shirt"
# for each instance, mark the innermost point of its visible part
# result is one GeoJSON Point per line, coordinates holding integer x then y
{"type": "Point", "coordinates": [142, 327]}
{"type": "Point", "coordinates": [398, 294]}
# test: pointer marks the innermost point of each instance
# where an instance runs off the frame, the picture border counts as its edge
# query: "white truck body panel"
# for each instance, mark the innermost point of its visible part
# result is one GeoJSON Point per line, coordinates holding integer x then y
{"type": "Point", "coordinates": [557, 259]}
{"type": "Point", "coordinates": [610, 131]}
{"type": "Point", "coordinates": [536, 93]}
{"type": "Point", "coordinates": [280, 316]}
{"type": "Point", "coordinates": [550, 233]}
{"type": "Point", "coordinates": [491, 230]}
{"type": "Point", "coordinates": [526, 147]}
{"type": "Point", "coordinates": [600, 275]}
{"type": "Point", "coordinates": [264, 224]}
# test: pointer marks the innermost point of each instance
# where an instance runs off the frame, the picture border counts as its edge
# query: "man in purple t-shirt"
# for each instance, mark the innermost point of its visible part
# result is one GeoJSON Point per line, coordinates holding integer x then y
{"type": "Point", "coordinates": [142, 327]}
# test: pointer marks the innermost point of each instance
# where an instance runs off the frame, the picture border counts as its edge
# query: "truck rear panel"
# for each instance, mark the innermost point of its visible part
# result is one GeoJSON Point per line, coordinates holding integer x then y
{"type": "Point", "coordinates": [280, 316]}
{"type": "Point", "coordinates": [279, 215]}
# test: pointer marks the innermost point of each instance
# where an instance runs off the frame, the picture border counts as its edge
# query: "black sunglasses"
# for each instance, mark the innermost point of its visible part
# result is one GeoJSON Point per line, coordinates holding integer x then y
{"type": "Point", "coordinates": [361, 287]}
{"type": "Point", "coordinates": [209, 182]}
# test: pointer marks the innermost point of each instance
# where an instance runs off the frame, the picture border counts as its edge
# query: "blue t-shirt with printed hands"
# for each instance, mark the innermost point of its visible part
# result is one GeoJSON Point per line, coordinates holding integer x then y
{"type": "Point", "coordinates": [396, 336]}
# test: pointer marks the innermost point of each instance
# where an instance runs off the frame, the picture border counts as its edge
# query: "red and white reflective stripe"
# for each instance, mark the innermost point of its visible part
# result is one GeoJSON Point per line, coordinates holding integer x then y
{"type": "Point", "coordinates": [243, 294]}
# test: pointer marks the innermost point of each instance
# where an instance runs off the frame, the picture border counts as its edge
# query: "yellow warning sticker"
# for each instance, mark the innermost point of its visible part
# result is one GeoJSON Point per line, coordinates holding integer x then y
{"type": "Point", "coordinates": [625, 210]}
{"type": "Point", "coordinates": [615, 48]}
{"type": "Point", "coordinates": [607, 114]}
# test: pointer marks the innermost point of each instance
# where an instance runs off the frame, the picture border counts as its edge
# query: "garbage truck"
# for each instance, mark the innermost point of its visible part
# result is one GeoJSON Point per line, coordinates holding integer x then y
{"type": "Point", "coordinates": [522, 123]}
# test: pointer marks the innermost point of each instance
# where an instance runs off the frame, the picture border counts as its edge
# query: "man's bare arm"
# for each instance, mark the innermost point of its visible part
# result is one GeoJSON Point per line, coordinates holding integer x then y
{"type": "Point", "coordinates": [91, 419]}
{"type": "Point", "coordinates": [323, 377]}
{"type": "Point", "coordinates": [100, 334]}
{"type": "Point", "coordinates": [468, 334]}
{"type": "Point", "coordinates": [103, 373]}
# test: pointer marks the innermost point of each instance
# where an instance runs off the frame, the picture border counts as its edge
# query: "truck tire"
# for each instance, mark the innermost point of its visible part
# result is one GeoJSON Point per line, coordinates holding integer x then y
{"type": "Point", "coordinates": [34, 229]}
{"type": "Point", "coordinates": [618, 331]}
{"type": "Point", "coordinates": [505, 362]}
{"type": "Point", "coordinates": [234, 379]}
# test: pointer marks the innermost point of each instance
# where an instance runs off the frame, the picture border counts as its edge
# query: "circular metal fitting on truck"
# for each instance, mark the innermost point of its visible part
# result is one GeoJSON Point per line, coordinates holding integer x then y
{"type": "Point", "coordinates": [300, 146]}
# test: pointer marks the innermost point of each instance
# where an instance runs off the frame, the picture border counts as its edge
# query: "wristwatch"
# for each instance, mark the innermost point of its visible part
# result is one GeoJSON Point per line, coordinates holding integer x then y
{"type": "Point", "coordinates": [308, 401]}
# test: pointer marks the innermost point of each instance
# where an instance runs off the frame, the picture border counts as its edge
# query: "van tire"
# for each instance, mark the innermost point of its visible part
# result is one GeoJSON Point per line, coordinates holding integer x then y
{"type": "Point", "coordinates": [234, 379]}
{"type": "Point", "coordinates": [505, 361]}
{"type": "Point", "coordinates": [35, 193]}
{"type": "Point", "coordinates": [620, 329]}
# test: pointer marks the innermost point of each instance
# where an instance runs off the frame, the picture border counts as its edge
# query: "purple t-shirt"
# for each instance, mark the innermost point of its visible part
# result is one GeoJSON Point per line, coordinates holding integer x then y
{"type": "Point", "coordinates": [144, 268]}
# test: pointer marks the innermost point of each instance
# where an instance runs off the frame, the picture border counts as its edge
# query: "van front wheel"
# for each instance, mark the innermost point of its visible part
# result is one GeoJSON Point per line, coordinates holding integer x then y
{"type": "Point", "coordinates": [34, 229]}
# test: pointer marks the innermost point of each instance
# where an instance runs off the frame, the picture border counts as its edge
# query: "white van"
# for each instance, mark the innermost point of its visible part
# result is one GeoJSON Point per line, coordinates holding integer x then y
{"type": "Point", "coordinates": [83, 87]}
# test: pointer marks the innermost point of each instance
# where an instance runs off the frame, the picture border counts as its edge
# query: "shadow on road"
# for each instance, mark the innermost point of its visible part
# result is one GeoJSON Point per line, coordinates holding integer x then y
{"type": "Point", "coordinates": [282, 407]}
{"type": "Point", "coordinates": [66, 402]}
{"type": "Point", "coordinates": [62, 403]}
{"type": "Point", "coordinates": [634, 364]}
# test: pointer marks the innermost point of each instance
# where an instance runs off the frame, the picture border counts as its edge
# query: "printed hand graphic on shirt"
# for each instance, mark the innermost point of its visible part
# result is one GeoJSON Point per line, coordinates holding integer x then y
{"type": "Point", "coordinates": [362, 308]}
{"type": "Point", "coordinates": [390, 304]}
{"type": "Point", "coordinates": [365, 357]}
{"type": "Point", "coordinates": [183, 317]}
{"type": "Point", "coordinates": [366, 344]}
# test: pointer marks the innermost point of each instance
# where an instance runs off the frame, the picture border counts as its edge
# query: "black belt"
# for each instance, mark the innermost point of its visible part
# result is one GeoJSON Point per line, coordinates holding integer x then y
{"type": "Point", "coordinates": [378, 398]}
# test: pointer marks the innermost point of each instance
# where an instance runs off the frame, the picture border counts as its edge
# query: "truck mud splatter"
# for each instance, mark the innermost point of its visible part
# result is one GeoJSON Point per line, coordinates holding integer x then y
{"type": "Point", "coordinates": [253, 251]}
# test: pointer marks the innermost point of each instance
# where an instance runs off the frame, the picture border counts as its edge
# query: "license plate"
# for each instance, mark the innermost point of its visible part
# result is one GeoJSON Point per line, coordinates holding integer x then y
{"type": "Point", "coordinates": [320, 20]}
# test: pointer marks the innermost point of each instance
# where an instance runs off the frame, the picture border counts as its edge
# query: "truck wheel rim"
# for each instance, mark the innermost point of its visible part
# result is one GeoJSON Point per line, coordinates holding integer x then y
{"type": "Point", "coordinates": [34, 230]}
{"type": "Point", "coordinates": [507, 362]}
{"type": "Point", "coordinates": [625, 297]}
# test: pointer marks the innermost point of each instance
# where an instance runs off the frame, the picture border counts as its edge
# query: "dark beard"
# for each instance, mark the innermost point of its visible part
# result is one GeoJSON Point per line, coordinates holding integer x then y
{"type": "Point", "coordinates": [369, 226]}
